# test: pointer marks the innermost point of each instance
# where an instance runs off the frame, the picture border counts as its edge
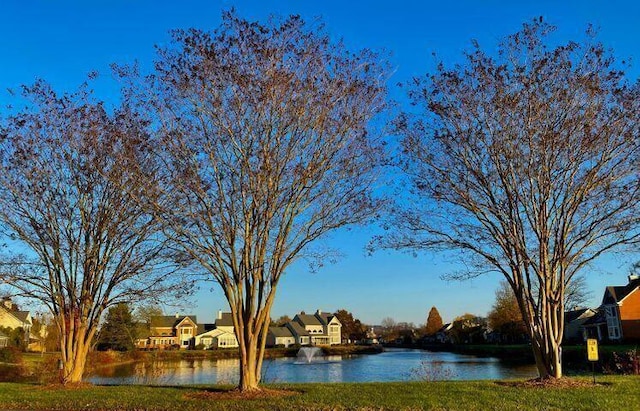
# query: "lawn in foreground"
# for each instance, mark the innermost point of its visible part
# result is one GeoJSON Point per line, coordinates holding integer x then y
{"type": "Point", "coordinates": [615, 392]}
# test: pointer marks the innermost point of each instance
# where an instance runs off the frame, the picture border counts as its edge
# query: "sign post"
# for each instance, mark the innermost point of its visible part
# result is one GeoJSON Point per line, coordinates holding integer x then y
{"type": "Point", "coordinates": [592, 355]}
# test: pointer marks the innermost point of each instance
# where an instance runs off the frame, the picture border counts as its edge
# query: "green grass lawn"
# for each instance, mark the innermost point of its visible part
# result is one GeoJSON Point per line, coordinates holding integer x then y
{"type": "Point", "coordinates": [614, 393]}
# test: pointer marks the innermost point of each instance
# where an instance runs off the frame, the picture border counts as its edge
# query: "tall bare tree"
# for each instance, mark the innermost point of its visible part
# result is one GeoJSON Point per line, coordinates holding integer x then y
{"type": "Point", "coordinates": [81, 243]}
{"type": "Point", "coordinates": [527, 163]}
{"type": "Point", "coordinates": [262, 133]}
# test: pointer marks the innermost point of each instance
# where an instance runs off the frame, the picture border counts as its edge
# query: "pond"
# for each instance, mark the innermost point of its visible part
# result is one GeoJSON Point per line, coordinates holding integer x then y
{"type": "Point", "coordinates": [391, 365]}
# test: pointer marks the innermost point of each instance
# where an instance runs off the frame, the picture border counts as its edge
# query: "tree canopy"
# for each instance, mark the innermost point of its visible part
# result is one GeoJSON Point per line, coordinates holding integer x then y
{"type": "Point", "coordinates": [434, 322]}
{"type": "Point", "coordinates": [526, 163]}
{"type": "Point", "coordinates": [262, 131]}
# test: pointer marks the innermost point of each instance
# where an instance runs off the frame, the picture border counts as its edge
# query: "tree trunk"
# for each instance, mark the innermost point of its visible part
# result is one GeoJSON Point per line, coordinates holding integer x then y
{"type": "Point", "coordinates": [250, 360]}
{"type": "Point", "coordinates": [546, 339]}
{"type": "Point", "coordinates": [75, 345]}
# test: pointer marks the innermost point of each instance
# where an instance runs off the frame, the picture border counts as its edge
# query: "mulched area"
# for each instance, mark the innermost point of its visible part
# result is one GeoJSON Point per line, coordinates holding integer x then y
{"type": "Point", "coordinates": [551, 383]}
{"type": "Point", "coordinates": [260, 394]}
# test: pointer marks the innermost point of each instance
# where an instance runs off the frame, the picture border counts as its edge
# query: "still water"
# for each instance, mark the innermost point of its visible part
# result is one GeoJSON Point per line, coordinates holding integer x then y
{"type": "Point", "coordinates": [391, 365]}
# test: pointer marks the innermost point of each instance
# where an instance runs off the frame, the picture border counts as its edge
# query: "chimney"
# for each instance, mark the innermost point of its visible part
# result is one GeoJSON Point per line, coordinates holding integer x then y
{"type": "Point", "coordinates": [219, 314]}
{"type": "Point", "coordinates": [319, 312]}
{"type": "Point", "coordinates": [177, 315]}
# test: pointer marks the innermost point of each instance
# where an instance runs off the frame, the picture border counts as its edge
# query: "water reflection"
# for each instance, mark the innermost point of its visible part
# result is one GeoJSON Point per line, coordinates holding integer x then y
{"type": "Point", "coordinates": [392, 365]}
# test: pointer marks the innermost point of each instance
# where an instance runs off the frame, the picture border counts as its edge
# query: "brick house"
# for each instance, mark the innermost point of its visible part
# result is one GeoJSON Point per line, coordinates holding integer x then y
{"type": "Point", "coordinates": [621, 307]}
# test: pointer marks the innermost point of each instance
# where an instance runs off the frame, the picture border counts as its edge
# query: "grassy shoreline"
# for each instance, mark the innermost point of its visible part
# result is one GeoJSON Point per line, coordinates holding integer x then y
{"type": "Point", "coordinates": [611, 392]}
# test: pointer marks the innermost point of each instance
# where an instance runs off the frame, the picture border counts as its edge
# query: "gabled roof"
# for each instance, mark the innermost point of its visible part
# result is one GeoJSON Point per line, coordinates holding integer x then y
{"type": "Point", "coordinates": [280, 331]}
{"type": "Point", "coordinates": [225, 321]}
{"type": "Point", "coordinates": [445, 327]}
{"type": "Point", "coordinates": [307, 319]}
{"type": "Point", "coordinates": [328, 317]}
{"type": "Point", "coordinates": [191, 318]}
{"type": "Point", "coordinates": [598, 318]}
{"type": "Point", "coordinates": [573, 315]}
{"type": "Point", "coordinates": [216, 332]}
{"type": "Point", "coordinates": [203, 328]}
{"type": "Point", "coordinates": [297, 329]}
{"type": "Point", "coordinates": [615, 294]}
{"type": "Point", "coordinates": [170, 321]}
{"type": "Point", "coordinates": [22, 316]}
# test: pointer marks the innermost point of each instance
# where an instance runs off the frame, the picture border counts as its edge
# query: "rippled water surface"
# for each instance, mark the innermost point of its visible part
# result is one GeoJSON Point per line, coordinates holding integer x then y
{"type": "Point", "coordinates": [391, 365]}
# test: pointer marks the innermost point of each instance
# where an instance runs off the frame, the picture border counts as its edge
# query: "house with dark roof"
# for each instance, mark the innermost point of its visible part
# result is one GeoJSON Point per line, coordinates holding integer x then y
{"type": "Point", "coordinates": [221, 334]}
{"type": "Point", "coordinates": [573, 324]}
{"type": "Point", "coordinates": [12, 317]}
{"type": "Point", "coordinates": [323, 328]}
{"type": "Point", "coordinates": [596, 326]}
{"type": "Point", "coordinates": [280, 336]}
{"type": "Point", "coordinates": [166, 331]}
{"type": "Point", "coordinates": [621, 306]}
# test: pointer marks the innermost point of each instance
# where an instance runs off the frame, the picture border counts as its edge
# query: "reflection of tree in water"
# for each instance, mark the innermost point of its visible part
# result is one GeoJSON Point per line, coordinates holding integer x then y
{"type": "Point", "coordinates": [154, 373]}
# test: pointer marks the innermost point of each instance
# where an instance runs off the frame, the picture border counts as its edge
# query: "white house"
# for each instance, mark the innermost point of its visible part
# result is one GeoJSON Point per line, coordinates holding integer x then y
{"type": "Point", "coordinates": [219, 335]}
{"type": "Point", "coordinates": [305, 329]}
{"type": "Point", "coordinates": [217, 338]}
{"type": "Point", "coordinates": [11, 317]}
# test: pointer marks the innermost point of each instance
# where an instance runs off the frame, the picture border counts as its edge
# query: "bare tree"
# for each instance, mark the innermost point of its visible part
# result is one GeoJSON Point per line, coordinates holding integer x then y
{"type": "Point", "coordinates": [526, 163]}
{"type": "Point", "coordinates": [577, 293]}
{"type": "Point", "coordinates": [262, 133]}
{"type": "Point", "coordinates": [85, 244]}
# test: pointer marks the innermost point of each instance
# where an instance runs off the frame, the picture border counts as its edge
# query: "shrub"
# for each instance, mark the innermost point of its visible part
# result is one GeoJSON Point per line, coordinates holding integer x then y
{"type": "Point", "coordinates": [11, 365]}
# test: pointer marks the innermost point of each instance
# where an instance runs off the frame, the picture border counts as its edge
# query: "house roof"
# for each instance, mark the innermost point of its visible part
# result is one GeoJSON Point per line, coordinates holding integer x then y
{"type": "Point", "coordinates": [203, 328]}
{"type": "Point", "coordinates": [307, 319]}
{"type": "Point", "coordinates": [615, 294]}
{"type": "Point", "coordinates": [573, 315]}
{"type": "Point", "coordinates": [216, 332]}
{"type": "Point", "coordinates": [328, 317]}
{"type": "Point", "coordinates": [20, 315]}
{"type": "Point", "coordinates": [280, 331]}
{"type": "Point", "coordinates": [597, 319]}
{"type": "Point", "coordinates": [170, 321]}
{"type": "Point", "coordinates": [297, 328]}
{"type": "Point", "coordinates": [225, 321]}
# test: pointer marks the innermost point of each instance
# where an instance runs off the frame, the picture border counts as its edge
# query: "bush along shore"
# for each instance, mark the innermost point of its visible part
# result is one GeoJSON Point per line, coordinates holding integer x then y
{"type": "Point", "coordinates": [614, 359]}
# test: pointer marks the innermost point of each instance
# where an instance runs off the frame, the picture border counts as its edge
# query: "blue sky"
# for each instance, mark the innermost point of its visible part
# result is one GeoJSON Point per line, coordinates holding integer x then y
{"type": "Point", "coordinates": [61, 41]}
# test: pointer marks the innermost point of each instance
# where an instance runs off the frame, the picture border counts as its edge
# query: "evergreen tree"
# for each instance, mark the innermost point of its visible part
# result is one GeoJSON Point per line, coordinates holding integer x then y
{"type": "Point", "coordinates": [119, 331]}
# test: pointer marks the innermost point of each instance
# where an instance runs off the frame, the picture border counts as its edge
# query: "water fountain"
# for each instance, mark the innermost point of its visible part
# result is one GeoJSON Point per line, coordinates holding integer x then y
{"type": "Point", "coordinates": [306, 355]}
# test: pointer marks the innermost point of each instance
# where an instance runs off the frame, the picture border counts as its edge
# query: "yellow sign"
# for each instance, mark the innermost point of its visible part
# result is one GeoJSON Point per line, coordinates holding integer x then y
{"type": "Point", "coordinates": [592, 349]}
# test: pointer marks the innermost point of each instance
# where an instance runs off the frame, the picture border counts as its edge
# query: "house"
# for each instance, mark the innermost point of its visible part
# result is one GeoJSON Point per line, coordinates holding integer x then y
{"type": "Point", "coordinates": [323, 329]}
{"type": "Point", "coordinates": [4, 340]}
{"type": "Point", "coordinates": [621, 306]}
{"type": "Point", "coordinates": [166, 331]}
{"type": "Point", "coordinates": [11, 317]}
{"type": "Point", "coordinates": [574, 324]}
{"type": "Point", "coordinates": [307, 329]}
{"type": "Point", "coordinates": [443, 335]}
{"type": "Point", "coordinates": [216, 338]}
{"type": "Point", "coordinates": [300, 334]}
{"type": "Point", "coordinates": [596, 326]}
{"type": "Point", "coordinates": [280, 336]}
{"type": "Point", "coordinates": [221, 334]}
